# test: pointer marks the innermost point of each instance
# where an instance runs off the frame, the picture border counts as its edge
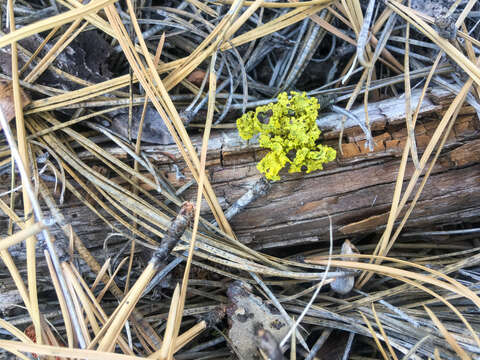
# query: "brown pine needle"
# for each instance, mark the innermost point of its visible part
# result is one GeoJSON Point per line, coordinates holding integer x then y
{"type": "Point", "coordinates": [450, 339]}
{"type": "Point", "coordinates": [21, 235]}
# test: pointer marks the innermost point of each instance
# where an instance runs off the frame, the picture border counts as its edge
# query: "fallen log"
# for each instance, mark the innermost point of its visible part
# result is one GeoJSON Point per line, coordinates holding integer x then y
{"type": "Point", "coordinates": [355, 191]}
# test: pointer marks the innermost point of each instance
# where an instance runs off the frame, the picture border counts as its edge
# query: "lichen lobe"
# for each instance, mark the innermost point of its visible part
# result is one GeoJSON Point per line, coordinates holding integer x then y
{"type": "Point", "coordinates": [288, 129]}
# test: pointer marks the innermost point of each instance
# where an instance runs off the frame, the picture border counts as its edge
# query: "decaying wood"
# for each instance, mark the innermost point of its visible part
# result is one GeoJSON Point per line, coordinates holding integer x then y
{"type": "Point", "coordinates": [356, 190]}
{"type": "Point", "coordinates": [252, 324]}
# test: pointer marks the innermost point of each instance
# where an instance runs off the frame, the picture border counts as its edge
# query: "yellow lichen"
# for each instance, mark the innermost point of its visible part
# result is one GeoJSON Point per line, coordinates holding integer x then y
{"type": "Point", "coordinates": [289, 130]}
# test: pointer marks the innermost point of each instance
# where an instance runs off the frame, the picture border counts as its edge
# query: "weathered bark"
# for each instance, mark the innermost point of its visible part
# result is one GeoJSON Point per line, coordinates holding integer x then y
{"type": "Point", "coordinates": [356, 190]}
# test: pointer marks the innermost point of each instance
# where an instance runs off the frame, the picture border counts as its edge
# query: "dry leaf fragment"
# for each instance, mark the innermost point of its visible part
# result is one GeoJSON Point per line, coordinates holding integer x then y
{"type": "Point", "coordinates": [196, 77]}
{"type": "Point", "coordinates": [30, 332]}
{"type": "Point", "coordinates": [7, 104]}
